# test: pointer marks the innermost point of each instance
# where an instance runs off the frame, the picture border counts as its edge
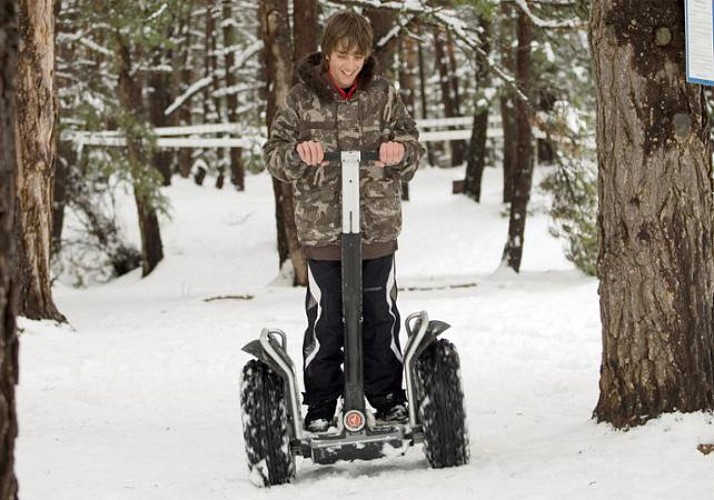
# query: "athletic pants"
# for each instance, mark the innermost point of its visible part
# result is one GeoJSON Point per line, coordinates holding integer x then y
{"type": "Point", "coordinates": [323, 352]}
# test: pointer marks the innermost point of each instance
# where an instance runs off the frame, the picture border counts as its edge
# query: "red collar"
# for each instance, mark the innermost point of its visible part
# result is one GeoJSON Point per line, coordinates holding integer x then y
{"type": "Point", "coordinates": [345, 95]}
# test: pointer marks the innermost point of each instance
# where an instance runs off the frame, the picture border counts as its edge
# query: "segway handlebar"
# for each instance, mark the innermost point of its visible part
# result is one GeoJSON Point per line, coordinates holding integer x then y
{"type": "Point", "coordinates": [336, 156]}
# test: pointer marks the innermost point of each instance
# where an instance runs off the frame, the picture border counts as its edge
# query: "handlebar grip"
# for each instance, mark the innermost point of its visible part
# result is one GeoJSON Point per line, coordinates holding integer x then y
{"type": "Point", "coordinates": [335, 156]}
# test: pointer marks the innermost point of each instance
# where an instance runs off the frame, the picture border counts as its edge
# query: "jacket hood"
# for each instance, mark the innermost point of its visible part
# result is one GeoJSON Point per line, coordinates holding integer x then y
{"type": "Point", "coordinates": [310, 73]}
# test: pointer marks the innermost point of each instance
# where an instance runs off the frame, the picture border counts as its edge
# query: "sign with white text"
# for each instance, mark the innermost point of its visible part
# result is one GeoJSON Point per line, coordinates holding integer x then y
{"type": "Point", "coordinates": [699, 33]}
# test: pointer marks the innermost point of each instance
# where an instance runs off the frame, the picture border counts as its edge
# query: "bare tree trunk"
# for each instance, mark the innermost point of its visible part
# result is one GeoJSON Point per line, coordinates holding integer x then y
{"type": "Point", "coordinates": [476, 160]}
{"type": "Point", "coordinates": [443, 68]}
{"type": "Point", "coordinates": [131, 100]}
{"type": "Point", "coordinates": [656, 262]}
{"type": "Point", "coordinates": [458, 148]}
{"type": "Point", "coordinates": [279, 61]}
{"type": "Point", "coordinates": [160, 99]}
{"type": "Point", "coordinates": [65, 158]}
{"type": "Point", "coordinates": [430, 150]}
{"type": "Point", "coordinates": [36, 122]}
{"type": "Point", "coordinates": [383, 21]}
{"type": "Point", "coordinates": [305, 29]}
{"type": "Point", "coordinates": [513, 251]}
{"type": "Point", "coordinates": [229, 38]}
{"type": "Point", "coordinates": [507, 106]}
{"type": "Point", "coordinates": [408, 77]}
{"type": "Point", "coordinates": [182, 76]}
{"type": "Point", "coordinates": [66, 155]}
{"type": "Point", "coordinates": [9, 366]}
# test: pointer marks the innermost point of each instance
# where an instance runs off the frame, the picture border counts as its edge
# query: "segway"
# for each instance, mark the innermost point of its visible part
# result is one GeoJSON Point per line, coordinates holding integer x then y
{"type": "Point", "coordinates": [272, 421]}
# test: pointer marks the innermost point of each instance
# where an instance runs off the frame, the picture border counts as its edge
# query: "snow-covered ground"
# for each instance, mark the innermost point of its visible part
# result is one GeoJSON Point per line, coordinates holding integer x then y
{"type": "Point", "coordinates": [138, 399]}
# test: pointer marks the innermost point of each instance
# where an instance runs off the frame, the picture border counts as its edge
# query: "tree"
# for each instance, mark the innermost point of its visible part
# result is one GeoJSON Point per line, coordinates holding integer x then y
{"type": "Point", "coordinates": [133, 122]}
{"type": "Point", "coordinates": [230, 38]}
{"type": "Point", "coordinates": [476, 157]}
{"type": "Point", "coordinates": [279, 64]}
{"type": "Point", "coordinates": [8, 283]}
{"type": "Point", "coordinates": [506, 103]}
{"type": "Point", "coordinates": [523, 174]}
{"type": "Point", "coordinates": [656, 262]}
{"type": "Point", "coordinates": [36, 122]}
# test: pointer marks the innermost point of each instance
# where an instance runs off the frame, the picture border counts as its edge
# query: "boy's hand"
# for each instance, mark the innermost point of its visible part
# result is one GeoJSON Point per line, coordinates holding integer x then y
{"type": "Point", "coordinates": [311, 152]}
{"type": "Point", "coordinates": [390, 153]}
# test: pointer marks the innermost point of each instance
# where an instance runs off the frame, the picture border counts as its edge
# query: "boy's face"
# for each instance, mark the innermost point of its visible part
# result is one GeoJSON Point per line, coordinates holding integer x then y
{"type": "Point", "coordinates": [344, 64]}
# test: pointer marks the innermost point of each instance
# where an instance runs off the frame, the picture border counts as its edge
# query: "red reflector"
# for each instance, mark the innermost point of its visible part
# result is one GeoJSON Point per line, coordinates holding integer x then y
{"type": "Point", "coordinates": [354, 420]}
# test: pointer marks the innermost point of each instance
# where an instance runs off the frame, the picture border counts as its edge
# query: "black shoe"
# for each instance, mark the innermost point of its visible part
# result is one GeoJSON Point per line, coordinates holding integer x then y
{"type": "Point", "coordinates": [396, 413]}
{"type": "Point", "coordinates": [320, 416]}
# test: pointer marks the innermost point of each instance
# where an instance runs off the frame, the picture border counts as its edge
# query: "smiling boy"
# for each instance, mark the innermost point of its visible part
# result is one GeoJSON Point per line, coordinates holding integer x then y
{"type": "Point", "coordinates": [341, 104]}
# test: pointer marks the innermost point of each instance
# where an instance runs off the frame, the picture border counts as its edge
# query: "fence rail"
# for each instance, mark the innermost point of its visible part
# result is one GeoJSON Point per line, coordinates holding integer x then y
{"type": "Point", "coordinates": [189, 136]}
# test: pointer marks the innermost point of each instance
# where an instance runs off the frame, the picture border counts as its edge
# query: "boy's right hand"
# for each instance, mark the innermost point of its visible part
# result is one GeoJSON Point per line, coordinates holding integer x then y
{"type": "Point", "coordinates": [311, 152]}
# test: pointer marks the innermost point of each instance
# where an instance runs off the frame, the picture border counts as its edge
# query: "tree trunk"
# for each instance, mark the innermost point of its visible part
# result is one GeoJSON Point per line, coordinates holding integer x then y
{"type": "Point", "coordinates": [9, 368]}
{"type": "Point", "coordinates": [66, 157]}
{"type": "Point", "coordinates": [182, 76]}
{"type": "Point", "coordinates": [212, 108]}
{"type": "Point", "coordinates": [408, 77]}
{"type": "Point", "coordinates": [131, 100]}
{"type": "Point", "coordinates": [458, 148]}
{"type": "Point", "coordinates": [36, 120]}
{"type": "Point", "coordinates": [507, 105]}
{"type": "Point", "coordinates": [382, 21]}
{"type": "Point", "coordinates": [430, 150]}
{"type": "Point", "coordinates": [513, 251]}
{"type": "Point", "coordinates": [476, 160]}
{"type": "Point", "coordinates": [160, 99]}
{"type": "Point", "coordinates": [278, 55]}
{"type": "Point", "coordinates": [229, 38]}
{"type": "Point", "coordinates": [305, 29]}
{"type": "Point", "coordinates": [448, 98]}
{"type": "Point", "coordinates": [655, 262]}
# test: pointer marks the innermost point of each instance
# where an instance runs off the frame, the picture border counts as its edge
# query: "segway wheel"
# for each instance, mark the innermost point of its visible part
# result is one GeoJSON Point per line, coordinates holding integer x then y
{"type": "Point", "coordinates": [265, 425]}
{"type": "Point", "coordinates": [441, 406]}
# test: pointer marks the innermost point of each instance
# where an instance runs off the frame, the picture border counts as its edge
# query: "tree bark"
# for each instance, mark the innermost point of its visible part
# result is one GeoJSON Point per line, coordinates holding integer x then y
{"type": "Point", "coordinates": [430, 150]}
{"type": "Point", "coordinates": [507, 105]}
{"type": "Point", "coordinates": [476, 160]}
{"type": "Point", "coordinates": [408, 78]}
{"type": "Point", "coordinates": [131, 100]}
{"type": "Point", "coordinates": [458, 148]}
{"type": "Point", "coordinates": [9, 367]}
{"type": "Point", "coordinates": [182, 76]}
{"type": "Point", "coordinates": [655, 263]}
{"type": "Point", "coordinates": [445, 80]}
{"type": "Point", "coordinates": [229, 38]}
{"type": "Point", "coordinates": [382, 21]}
{"type": "Point", "coordinates": [36, 135]}
{"type": "Point", "coordinates": [305, 29]}
{"type": "Point", "coordinates": [278, 55]}
{"type": "Point", "coordinates": [159, 99]}
{"type": "Point", "coordinates": [513, 251]}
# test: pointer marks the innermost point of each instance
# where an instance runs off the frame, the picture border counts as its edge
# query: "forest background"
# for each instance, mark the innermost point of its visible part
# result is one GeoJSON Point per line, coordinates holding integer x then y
{"type": "Point", "coordinates": [104, 97]}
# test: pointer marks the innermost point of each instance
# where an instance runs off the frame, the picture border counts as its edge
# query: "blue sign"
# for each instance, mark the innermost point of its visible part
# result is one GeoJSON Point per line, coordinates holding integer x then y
{"type": "Point", "coordinates": [699, 35]}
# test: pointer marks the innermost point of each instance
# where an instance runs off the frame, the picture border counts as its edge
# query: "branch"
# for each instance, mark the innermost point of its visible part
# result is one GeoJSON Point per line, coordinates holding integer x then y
{"type": "Point", "coordinates": [569, 24]}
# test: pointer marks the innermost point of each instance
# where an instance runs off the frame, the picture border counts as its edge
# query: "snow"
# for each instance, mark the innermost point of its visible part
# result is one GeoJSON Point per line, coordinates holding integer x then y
{"type": "Point", "coordinates": [139, 398]}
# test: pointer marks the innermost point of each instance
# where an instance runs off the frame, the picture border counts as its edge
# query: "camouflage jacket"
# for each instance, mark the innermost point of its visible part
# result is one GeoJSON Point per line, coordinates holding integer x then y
{"type": "Point", "coordinates": [314, 110]}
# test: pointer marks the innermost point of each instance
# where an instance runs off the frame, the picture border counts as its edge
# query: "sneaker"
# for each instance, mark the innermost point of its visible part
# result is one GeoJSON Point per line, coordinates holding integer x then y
{"type": "Point", "coordinates": [320, 416]}
{"type": "Point", "coordinates": [396, 413]}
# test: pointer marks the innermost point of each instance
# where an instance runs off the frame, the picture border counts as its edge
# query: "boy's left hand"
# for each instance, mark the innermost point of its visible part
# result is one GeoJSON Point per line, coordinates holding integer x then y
{"type": "Point", "coordinates": [390, 153]}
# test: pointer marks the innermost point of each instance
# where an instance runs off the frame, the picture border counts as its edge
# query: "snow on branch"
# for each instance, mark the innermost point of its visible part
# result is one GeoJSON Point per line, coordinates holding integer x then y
{"type": "Point", "coordinates": [199, 85]}
{"type": "Point", "coordinates": [193, 89]}
{"type": "Point", "coordinates": [541, 23]}
{"type": "Point", "coordinates": [91, 44]}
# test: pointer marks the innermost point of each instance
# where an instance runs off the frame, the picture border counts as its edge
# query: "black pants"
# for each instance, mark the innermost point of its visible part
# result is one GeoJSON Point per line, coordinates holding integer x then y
{"type": "Point", "coordinates": [323, 353]}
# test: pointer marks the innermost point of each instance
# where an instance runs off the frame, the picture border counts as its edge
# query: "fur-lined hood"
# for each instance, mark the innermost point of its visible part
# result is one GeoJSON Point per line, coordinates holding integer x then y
{"type": "Point", "coordinates": [310, 73]}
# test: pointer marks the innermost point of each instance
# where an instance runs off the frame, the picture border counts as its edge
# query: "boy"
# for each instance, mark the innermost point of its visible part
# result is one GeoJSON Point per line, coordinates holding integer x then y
{"type": "Point", "coordinates": [341, 104]}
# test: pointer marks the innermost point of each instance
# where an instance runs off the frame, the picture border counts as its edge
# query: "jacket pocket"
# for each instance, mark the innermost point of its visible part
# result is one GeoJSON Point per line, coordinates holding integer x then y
{"type": "Point", "coordinates": [381, 210]}
{"type": "Point", "coordinates": [317, 214]}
